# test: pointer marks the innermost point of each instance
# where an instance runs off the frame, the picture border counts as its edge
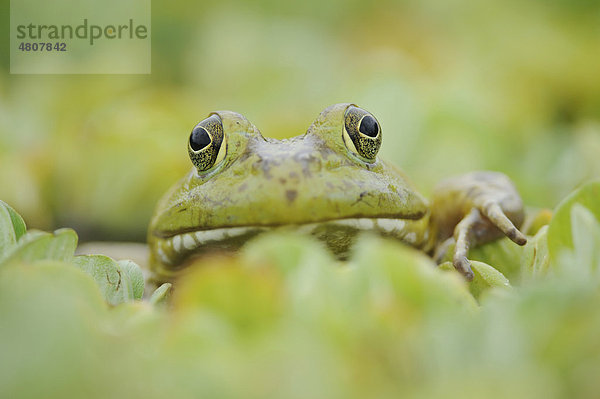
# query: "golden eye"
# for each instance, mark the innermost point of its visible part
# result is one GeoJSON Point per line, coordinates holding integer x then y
{"type": "Point", "coordinates": [362, 133]}
{"type": "Point", "coordinates": [207, 144]}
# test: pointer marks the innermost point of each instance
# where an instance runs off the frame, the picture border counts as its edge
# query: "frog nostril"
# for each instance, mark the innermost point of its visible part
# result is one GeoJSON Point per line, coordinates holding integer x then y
{"type": "Point", "coordinates": [369, 126]}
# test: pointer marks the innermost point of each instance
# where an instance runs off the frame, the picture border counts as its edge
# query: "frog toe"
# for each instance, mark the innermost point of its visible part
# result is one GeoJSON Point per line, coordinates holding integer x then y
{"type": "Point", "coordinates": [494, 213]}
{"type": "Point", "coordinates": [463, 266]}
{"type": "Point", "coordinates": [464, 235]}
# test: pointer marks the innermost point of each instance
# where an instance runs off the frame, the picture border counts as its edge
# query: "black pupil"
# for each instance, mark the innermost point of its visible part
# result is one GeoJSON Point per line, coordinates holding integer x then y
{"type": "Point", "coordinates": [199, 138]}
{"type": "Point", "coordinates": [369, 126]}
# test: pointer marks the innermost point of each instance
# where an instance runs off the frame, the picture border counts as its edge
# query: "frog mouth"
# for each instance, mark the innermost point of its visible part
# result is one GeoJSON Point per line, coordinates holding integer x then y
{"type": "Point", "coordinates": [337, 234]}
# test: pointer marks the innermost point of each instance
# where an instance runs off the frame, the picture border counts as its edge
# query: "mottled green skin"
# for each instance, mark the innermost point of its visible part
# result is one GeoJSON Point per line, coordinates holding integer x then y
{"type": "Point", "coordinates": [312, 178]}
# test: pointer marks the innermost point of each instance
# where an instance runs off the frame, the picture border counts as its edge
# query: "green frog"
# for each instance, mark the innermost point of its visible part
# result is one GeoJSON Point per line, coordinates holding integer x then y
{"type": "Point", "coordinates": [329, 183]}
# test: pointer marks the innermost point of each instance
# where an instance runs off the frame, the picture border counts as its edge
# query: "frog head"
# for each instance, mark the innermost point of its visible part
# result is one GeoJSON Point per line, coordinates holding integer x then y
{"type": "Point", "coordinates": [328, 182]}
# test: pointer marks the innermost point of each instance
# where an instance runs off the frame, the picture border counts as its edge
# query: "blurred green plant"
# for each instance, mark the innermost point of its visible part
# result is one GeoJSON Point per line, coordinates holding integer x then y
{"type": "Point", "coordinates": [284, 319]}
{"type": "Point", "coordinates": [118, 281]}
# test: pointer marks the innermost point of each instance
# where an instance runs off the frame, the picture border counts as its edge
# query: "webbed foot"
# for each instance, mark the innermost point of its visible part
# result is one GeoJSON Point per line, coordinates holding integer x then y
{"type": "Point", "coordinates": [473, 209]}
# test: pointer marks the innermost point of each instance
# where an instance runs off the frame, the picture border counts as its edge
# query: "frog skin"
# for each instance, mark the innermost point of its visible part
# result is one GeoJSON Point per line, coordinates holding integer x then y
{"type": "Point", "coordinates": [328, 183]}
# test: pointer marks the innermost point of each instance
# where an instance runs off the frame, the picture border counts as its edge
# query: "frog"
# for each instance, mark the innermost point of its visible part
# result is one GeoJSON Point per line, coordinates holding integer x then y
{"type": "Point", "coordinates": [328, 183]}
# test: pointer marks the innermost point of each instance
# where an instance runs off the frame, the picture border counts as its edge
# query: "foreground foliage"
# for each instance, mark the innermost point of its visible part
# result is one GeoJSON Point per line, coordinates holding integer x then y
{"type": "Point", "coordinates": [283, 319]}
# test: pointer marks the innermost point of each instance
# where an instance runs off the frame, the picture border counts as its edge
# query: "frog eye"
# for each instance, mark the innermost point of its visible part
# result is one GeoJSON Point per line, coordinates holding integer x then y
{"type": "Point", "coordinates": [207, 144]}
{"type": "Point", "coordinates": [362, 133]}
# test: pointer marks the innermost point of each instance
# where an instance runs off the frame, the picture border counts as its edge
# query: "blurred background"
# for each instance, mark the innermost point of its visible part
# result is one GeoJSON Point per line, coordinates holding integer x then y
{"type": "Point", "coordinates": [457, 85]}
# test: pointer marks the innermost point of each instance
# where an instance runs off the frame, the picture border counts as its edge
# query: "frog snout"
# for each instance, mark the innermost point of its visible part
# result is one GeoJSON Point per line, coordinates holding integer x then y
{"type": "Point", "coordinates": [303, 164]}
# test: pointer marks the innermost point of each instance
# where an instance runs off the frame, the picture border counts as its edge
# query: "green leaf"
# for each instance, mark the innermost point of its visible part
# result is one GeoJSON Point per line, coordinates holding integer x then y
{"type": "Point", "coordinates": [304, 263]}
{"type": "Point", "coordinates": [16, 219]}
{"type": "Point", "coordinates": [135, 276]}
{"type": "Point", "coordinates": [503, 254]}
{"type": "Point", "coordinates": [37, 245]}
{"type": "Point", "coordinates": [113, 281]}
{"type": "Point", "coordinates": [585, 258]}
{"type": "Point", "coordinates": [161, 294]}
{"type": "Point", "coordinates": [536, 259]}
{"type": "Point", "coordinates": [535, 219]}
{"type": "Point", "coordinates": [285, 251]}
{"type": "Point", "coordinates": [8, 239]}
{"type": "Point", "coordinates": [485, 277]}
{"type": "Point", "coordinates": [560, 232]}
{"type": "Point", "coordinates": [406, 276]}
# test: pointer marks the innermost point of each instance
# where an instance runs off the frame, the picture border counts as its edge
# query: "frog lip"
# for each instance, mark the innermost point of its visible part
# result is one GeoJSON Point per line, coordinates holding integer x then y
{"type": "Point", "coordinates": [358, 222]}
{"type": "Point", "coordinates": [188, 240]}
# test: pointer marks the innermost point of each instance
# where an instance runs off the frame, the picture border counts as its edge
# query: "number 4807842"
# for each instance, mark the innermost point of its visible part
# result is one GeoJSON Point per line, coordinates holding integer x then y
{"type": "Point", "coordinates": [42, 46]}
